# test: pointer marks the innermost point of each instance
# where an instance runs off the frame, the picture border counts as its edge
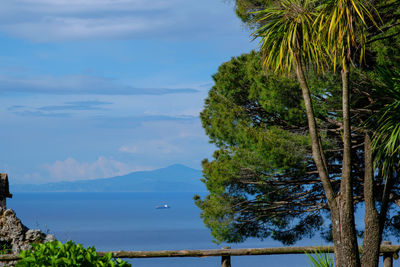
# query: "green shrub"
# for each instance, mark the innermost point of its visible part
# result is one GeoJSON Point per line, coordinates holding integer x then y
{"type": "Point", "coordinates": [320, 259]}
{"type": "Point", "coordinates": [64, 255]}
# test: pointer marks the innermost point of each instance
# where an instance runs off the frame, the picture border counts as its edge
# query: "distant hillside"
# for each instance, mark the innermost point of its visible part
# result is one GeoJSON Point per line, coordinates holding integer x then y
{"type": "Point", "coordinates": [175, 178]}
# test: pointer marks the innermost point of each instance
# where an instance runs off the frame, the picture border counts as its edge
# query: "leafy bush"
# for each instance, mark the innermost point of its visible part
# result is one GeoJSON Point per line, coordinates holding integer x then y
{"type": "Point", "coordinates": [69, 254]}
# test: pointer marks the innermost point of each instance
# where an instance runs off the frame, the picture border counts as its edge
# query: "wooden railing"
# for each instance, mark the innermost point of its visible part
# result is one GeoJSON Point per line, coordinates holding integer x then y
{"type": "Point", "coordinates": [387, 250]}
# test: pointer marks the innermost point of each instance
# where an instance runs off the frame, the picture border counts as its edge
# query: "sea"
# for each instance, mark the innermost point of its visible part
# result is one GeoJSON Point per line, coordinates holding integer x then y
{"type": "Point", "coordinates": [130, 221]}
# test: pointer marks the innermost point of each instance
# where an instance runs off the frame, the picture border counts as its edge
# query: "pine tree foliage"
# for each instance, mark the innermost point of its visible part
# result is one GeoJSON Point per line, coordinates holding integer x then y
{"type": "Point", "coordinates": [262, 180]}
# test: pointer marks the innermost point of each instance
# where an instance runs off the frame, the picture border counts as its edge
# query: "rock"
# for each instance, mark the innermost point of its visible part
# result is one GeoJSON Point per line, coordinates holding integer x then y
{"type": "Point", "coordinates": [12, 231]}
{"type": "Point", "coordinates": [9, 212]}
{"type": "Point", "coordinates": [8, 263]}
{"type": "Point", "coordinates": [49, 238]}
{"type": "Point", "coordinates": [34, 236]}
{"type": "Point", "coordinates": [17, 236]}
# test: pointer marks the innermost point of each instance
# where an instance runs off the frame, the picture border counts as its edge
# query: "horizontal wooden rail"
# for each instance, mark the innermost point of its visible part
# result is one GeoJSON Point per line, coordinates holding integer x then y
{"type": "Point", "coordinates": [220, 252]}
{"type": "Point", "coordinates": [216, 252]}
{"type": "Point", "coordinates": [234, 252]}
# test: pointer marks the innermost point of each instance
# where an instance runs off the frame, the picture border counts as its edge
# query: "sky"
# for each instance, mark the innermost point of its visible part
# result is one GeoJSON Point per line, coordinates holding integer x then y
{"type": "Point", "coordinates": [99, 88]}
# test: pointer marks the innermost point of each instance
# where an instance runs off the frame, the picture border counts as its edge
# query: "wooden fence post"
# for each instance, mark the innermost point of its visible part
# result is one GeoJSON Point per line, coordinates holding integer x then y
{"type": "Point", "coordinates": [226, 260]}
{"type": "Point", "coordinates": [387, 257]}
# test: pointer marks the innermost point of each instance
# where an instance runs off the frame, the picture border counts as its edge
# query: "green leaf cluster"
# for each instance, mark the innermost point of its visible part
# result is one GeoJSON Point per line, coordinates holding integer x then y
{"type": "Point", "coordinates": [65, 255]}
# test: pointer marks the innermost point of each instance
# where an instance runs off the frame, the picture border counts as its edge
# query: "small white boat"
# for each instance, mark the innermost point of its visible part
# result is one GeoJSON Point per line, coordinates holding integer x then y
{"type": "Point", "coordinates": [165, 206]}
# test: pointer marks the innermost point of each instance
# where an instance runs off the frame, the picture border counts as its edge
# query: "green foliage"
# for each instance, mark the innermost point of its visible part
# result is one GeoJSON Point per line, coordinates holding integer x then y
{"type": "Point", "coordinates": [386, 44]}
{"type": "Point", "coordinates": [320, 259]}
{"type": "Point", "coordinates": [5, 248]}
{"type": "Point", "coordinates": [257, 122]}
{"type": "Point", "coordinates": [64, 255]}
{"type": "Point", "coordinates": [262, 180]}
{"type": "Point", "coordinates": [386, 140]}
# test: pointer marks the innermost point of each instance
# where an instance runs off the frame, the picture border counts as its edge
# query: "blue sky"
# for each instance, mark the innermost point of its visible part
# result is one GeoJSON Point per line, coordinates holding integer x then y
{"type": "Point", "coordinates": [98, 88]}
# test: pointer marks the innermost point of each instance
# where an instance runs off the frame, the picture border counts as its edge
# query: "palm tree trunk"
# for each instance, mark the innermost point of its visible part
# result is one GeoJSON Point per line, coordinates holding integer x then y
{"type": "Point", "coordinates": [374, 221]}
{"type": "Point", "coordinates": [320, 162]}
{"type": "Point", "coordinates": [385, 201]}
{"type": "Point", "coordinates": [372, 233]}
{"type": "Point", "coordinates": [346, 207]}
{"type": "Point", "coordinates": [318, 156]}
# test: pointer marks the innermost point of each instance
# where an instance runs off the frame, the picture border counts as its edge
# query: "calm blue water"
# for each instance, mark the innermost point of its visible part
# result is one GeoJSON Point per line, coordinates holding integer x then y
{"type": "Point", "coordinates": [129, 221]}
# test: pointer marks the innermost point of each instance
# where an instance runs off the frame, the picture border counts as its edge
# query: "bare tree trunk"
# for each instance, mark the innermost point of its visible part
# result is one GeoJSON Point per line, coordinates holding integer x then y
{"type": "Point", "coordinates": [320, 162]}
{"type": "Point", "coordinates": [372, 233]}
{"type": "Point", "coordinates": [346, 207]}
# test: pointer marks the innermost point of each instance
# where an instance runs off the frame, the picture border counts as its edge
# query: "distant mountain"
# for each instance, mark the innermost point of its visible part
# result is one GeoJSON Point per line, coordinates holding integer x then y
{"type": "Point", "coordinates": [175, 178]}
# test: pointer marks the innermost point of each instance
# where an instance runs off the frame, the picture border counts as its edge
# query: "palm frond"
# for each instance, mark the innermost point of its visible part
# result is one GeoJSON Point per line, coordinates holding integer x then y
{"type": "Point", "coordinates": [386, 124]}
{"type": "Point", "coordinates": [320, 259]}
{"type": "Point", "coordinates": [342, 26]}
{"type": "Point", "coordinates": [288, 29]}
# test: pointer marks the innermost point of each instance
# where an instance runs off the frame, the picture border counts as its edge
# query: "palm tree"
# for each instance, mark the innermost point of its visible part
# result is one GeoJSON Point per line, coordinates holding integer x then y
{"type": "Point", "coordinates": [287, 35]}
{"type": "Point", "coordinates": [343, 28]}
{"type": "Point", "coordinates": [288, 39]}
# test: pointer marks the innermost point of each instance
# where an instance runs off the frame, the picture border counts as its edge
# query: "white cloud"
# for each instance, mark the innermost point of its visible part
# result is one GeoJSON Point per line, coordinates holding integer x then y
{"type": "Point", "coordinates": [79, 84]}
{"type": "Point", "coordinates": [60, 20]}
{"type": "Point", "coordinates": [70, 169]}
{"type": "Point", "coordinates": [57, 20]}
{"type": "Point", "coordinates": [66, 28]}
